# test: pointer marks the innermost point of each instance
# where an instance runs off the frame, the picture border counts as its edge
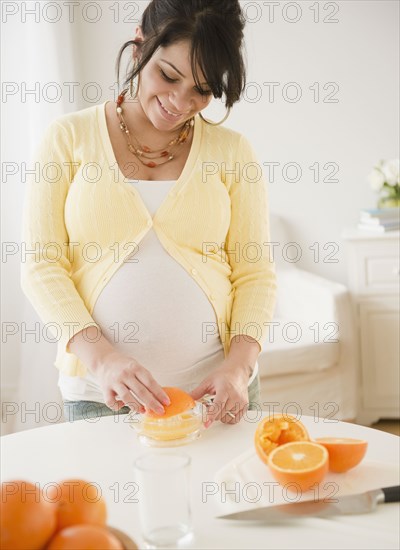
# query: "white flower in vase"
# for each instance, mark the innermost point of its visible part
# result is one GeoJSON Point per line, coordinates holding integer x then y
{"type": "Point", "coordinates": [384, 179]}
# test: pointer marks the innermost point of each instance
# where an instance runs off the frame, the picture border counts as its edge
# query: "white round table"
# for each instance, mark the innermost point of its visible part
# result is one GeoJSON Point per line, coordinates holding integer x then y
{"type": "Point", "coordinates": [103, 450]}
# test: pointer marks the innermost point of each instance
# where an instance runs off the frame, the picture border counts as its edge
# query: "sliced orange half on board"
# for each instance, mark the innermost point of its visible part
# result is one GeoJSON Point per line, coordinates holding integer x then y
{"type": "Point", "coordinates": [276, 430]}
{"type": "Point", "coordinates": [344, 452]}
{"type": "Point", "coordinates": [299, 465]}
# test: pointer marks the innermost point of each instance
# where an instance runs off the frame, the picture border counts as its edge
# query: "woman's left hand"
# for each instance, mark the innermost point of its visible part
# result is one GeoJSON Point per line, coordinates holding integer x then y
{"type": "Point", "coordinates": [229, 384]}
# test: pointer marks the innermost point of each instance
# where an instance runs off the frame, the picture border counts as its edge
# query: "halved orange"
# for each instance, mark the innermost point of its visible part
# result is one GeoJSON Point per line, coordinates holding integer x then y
{"type": "Point", "coordinates": [344, 452]}
{"type": "Point", "coordinates": [299, 464]}
{"type": "Point", "coordinates": [180, 402]}
{"type": "Point", "coordinates": [275, 430]}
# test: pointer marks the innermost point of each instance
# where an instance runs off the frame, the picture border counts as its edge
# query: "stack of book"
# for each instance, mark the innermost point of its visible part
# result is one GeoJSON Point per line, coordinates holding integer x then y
{"type": "Point", "coordinates": [379, 220]}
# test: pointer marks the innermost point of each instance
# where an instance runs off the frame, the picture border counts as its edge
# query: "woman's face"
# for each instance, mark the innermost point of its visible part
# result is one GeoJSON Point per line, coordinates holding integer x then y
{"type": "Point", "coordinates": [167, 92]}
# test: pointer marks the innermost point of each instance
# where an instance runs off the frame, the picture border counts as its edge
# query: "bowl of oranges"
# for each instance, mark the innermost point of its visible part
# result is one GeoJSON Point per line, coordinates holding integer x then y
{"type": "Point", "coordinates": [181, 423]}
{"type": "Point", "coordinates": [67, 515]}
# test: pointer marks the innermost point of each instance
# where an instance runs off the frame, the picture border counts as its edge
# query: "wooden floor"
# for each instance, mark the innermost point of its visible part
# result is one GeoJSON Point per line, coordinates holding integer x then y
{"type": "Point", "coordinates": [390, 426]}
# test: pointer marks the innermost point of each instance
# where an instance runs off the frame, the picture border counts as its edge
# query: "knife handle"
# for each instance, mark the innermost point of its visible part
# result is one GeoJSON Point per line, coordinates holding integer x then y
{"type": "Point", "coordinates": [392, 494]}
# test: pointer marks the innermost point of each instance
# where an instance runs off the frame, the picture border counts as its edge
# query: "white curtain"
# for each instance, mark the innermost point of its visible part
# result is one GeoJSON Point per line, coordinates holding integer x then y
{"type": "Point", "coordinates": [40, 57]}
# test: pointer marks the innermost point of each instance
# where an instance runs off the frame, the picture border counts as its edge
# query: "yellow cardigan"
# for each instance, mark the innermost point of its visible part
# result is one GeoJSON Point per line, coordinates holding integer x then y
{"type": "Point", "coordinates": [82, 219]}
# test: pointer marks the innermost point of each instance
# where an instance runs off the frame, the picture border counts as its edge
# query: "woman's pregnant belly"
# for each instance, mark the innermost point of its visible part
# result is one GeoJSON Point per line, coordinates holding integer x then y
{"type": "Point", "coordinates": [153, 310]}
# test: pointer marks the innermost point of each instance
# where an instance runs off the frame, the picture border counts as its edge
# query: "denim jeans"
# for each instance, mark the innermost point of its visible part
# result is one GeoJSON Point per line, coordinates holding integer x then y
{"type": "Point", "coordinates": [85, 410]}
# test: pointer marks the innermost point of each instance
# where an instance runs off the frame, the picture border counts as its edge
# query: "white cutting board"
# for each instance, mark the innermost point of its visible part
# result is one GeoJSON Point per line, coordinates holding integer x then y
{"type": "Point", "coordinates": [246, 482]}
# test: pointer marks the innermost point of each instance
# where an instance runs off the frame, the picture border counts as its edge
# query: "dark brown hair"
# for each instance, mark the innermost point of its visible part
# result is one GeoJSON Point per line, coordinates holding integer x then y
{"type": "Point", "coordinates": [215, 31]}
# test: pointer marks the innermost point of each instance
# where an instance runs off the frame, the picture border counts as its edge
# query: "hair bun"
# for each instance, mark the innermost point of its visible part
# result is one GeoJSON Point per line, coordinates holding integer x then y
{"type": "Point", "coordinates": [215, 30]}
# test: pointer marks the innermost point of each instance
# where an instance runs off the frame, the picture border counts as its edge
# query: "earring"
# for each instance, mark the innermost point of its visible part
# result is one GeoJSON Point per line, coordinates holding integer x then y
{"type": "Point", "coordinates": [134, 96]}
{"type": "Point", "coordinates": [216, 123]}
{"type": "Point", "coordinates": [131, 82]}
{"type": "Point", "coordinates": [130, 89]}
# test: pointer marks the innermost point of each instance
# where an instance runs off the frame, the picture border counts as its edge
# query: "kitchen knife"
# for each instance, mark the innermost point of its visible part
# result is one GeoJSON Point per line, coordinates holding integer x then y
{"type": "Point", "coordinates": [352, 504]}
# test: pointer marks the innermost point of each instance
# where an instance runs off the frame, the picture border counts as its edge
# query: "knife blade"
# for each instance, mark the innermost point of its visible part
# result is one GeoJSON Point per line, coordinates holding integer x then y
{"type": "Point", "coordinates": [360, 503]}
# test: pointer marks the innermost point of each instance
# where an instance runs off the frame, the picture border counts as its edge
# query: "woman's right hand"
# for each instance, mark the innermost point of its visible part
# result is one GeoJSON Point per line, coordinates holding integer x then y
{"type": "Point", "coordinates": [119, 374]}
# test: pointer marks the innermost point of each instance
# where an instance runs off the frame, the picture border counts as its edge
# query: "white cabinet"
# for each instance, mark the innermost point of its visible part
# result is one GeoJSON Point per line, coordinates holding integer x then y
{"type": "Point", "coordinates": [374, 281]}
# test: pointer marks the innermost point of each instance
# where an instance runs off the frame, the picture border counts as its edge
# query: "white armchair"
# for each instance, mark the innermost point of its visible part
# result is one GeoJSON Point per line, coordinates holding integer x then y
{"type": "Point", "coordinates": [309, 362]}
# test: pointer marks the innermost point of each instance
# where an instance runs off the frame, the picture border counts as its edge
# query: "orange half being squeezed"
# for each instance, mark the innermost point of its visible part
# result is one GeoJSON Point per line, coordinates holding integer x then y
{"type": "Point", "coordinates": [181, 402]}
{"type": "Point", "coordinates": [182, 419]}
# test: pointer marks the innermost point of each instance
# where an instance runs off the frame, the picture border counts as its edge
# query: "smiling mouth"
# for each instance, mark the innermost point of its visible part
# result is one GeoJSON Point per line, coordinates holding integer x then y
{"type": "Point", "coordinates": [168, 112]}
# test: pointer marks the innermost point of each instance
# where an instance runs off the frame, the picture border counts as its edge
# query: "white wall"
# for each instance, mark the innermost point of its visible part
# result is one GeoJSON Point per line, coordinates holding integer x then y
{"type": "Point", "coordinates": [358, 54]}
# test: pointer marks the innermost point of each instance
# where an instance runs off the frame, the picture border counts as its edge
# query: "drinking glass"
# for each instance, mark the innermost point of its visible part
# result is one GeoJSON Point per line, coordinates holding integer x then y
{"type": "Point", "coordinates": [164, 498]}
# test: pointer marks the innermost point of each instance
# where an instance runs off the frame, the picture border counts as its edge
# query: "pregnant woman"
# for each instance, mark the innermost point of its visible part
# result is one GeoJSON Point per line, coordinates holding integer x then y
{"type": "Point", "coordinates": [150, 228]}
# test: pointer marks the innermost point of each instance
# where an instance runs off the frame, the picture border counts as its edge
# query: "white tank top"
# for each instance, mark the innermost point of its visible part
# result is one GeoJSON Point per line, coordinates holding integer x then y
{"type": "Point", "coordinates": [154, 295]}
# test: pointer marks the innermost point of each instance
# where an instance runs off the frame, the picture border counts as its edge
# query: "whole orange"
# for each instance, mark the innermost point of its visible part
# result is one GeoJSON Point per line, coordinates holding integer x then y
{"type": "Point", "coordinates": [180, 402]}
{"type": "Point", "coordinates": [84, 537]}
{"type": "Point", "coordinates": [344, 452]}
{"type": "Point", "coordinates": [78, 501]}
{"type": "Point", "coordinates": [275, 430]}
{"type": "Point", "coordinates": [28, 520]}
